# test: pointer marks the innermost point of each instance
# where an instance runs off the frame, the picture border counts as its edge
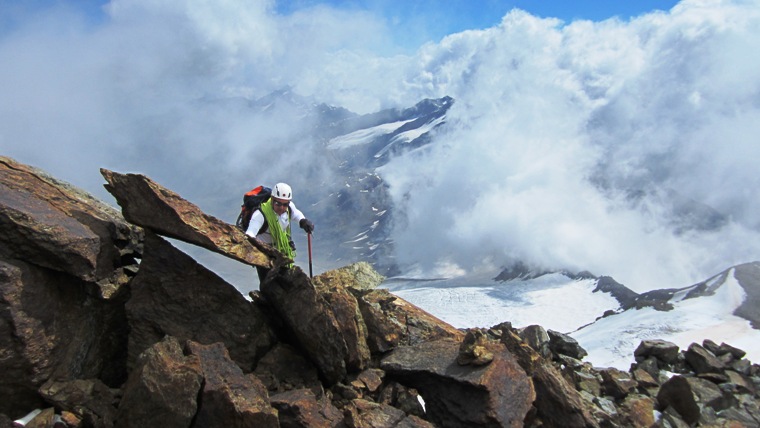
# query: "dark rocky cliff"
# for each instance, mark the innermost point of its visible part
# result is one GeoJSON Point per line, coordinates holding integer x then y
{"type": "Point", "coordinates": [104, 323]}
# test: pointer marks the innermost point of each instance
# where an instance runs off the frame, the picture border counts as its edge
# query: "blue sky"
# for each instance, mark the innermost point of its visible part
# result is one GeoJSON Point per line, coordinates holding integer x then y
{"type": "Point", "coordinates": [414, 22]}
{"type": "Point", "coordinates": [444, 17]}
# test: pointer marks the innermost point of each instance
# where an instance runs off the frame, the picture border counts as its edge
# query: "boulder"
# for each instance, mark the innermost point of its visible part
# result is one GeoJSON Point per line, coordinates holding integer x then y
{"type": "Point", "coordinates": [702, 360]}
{"type": "Point", "coordinates": [557, 402]}
{"type": "Point", "coordinates": [51, 224]}
{"type": "Point", "coordinates": [174, 295]}
{"type": "Point", "coordinates": [495, 395]}
{"type": "Point", "coordinates": [163, 388]}
{"type": "Point", "coordinates": [561, 343]}
{"type": "Point", "coordinates": [148, 204]}
{"type": "Point", "coordinates": [392, 321]}
{"type": "Point", "coordinates": [364, 413]}
{"type": "Point", "coordinates": [638, 411]}
{"type": "Point", "coordinates": [689, 396]}
{"type": "Point", "coordinates": [334, 288]}
{"type": "Point", "coordinates": [90, 400]}
{"type": "Point", "coordinates": [283, 369]}
{"type": "Point", "coordinates": [538, 339]}
{"type": "Point", "coordinates": [301, 408]}
{"type": "Point", "coordinates": [55, 326]}
{"type": "Point", "coordinates": [310, 320]}
{"type": "Point", "coordinates": [474, 349]}
{"type": "Point", "coordinates": [662, 350]}
{"type": "Point", "coordinates": [229, 398]}
{"type": "Point", "coordinates": [401, 397]}
{"type": "Point", "coordinates": [359, 275]}
{"type": "Point", "coordinates": [617, 383]}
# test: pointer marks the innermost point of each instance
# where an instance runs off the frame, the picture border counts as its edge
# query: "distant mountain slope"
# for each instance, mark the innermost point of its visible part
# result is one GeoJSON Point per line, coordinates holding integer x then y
{"type": "Point", "coordinates": [723, 308]}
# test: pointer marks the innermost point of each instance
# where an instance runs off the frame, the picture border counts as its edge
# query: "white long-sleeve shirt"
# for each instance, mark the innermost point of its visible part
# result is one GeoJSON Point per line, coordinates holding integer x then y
{"type": "Point", "coordinates": [257, 220]}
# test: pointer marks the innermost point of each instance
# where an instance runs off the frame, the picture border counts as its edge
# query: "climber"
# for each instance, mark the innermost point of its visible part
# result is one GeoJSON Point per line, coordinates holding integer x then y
{"type": "Point", "coordinates": [271, 223]}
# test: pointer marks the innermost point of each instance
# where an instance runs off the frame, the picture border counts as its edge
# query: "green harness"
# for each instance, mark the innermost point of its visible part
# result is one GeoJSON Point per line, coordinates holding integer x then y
{"type": "Point", "coordinates": [280, 238]}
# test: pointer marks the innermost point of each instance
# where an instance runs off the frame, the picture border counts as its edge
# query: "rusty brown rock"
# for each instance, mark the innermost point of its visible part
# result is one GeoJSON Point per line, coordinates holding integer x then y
{"type": "Point", "coordinates": [229, 398]}
{"type": "Point", "coordinates": [364, 413]}
{"type": "Point", "coordinates": [334, 287]}
{"type": "Point", "coordinates": [499, 394]}
{"type": "Point", "coordinates": [283, 369]}
{"type": "Point", "coordinates": [639, 411]}
{"type": "Point", "coordinates": [473, 349]}
{"type": "Point", "coordinates": [152, 206]}
{"type": "Point", "coordinates": [301, 408]}
{"type": "Point", "coordinates": [89, 400]}
{"type": "Point", "coordinates": [392, 321]}
{"type": "Point", "coordinates": [53, 325]}
{"type": "Point", "coordinates": [162, 391]}
{"type": "Point", "coordinates": [174, 295]}
{"type": "Point", "coordinates": [310, 320]}
{"type": "Point", "coordinates": [49, 223]}
{"type": "Point", "coordinates": [557, 403]}
{"type": "Point", "coordinates": [360, 276]}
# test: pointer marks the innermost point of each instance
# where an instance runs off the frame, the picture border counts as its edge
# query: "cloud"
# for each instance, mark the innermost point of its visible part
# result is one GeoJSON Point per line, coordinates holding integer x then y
{"type": "Point", "coordinates": [574, 146]}
{"type": "Point", "coordinates": [567, 146]}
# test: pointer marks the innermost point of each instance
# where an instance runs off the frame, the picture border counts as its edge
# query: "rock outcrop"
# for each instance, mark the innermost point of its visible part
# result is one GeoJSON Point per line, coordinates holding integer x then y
{"type": "Point", "coordinates": [104, 323]}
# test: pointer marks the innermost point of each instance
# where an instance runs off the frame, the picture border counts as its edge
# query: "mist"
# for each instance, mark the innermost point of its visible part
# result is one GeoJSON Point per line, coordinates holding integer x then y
{"type": "Point", "coordinates": [566, 147]}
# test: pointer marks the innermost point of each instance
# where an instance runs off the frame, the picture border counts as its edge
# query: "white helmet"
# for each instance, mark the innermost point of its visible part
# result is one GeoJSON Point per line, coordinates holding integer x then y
{"type": "Point", "coordinates": [282, 191]}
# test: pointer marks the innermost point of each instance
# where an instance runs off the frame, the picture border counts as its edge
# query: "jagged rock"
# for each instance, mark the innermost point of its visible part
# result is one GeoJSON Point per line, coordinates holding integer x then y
{"type": "Point", "coordinates": [333, 286]}
{"type": "Point", "coordinates": [726, 349]}
{"type": "Point", "coordinates": [228, 398]}
{"type": "Point", "coordinates": [645, 381]}
{"type": "Point", "coordinates": [360, 276]}
{"type": "Point", "coordinates": [498, 394]}
{"type": "Point", "coordinates": [740, 418]}
{"type": "Point", "coordinates": [364, 413]}
{"type": "Point", "coordinates": [665, 351]}
{"type": "Point", "coordinates": [174, 295]}
{"type": "Point", "coordinates": [638, 411]}
{"type": "Point", "coordinates": [473, 349]}
{"type": "Point", "coordinates": [738, 383]}
{"type": "Point", "coordinates": [538, 339]}
{"type": "Point", "coordinates": [617, 383]}
{"type": "Point", "coordinates": [371, 379]}
{"type": "Point", "coordinates": [163, 388]}
{"type": "Point", "coordinates": [392, 321]}
{"type": "Point", "coordinates": [688, 396]}
{"type": "Point", "coordinates": [588, 382]}
{"type": "Point", "coordinates": [557, 402]}
{"type": "Point", "coordinates": [300, 408]}
{"type": "Point", "coordinates": [283, 369]}
{"type": "Point", "coordinates": [401, 397]}
{"type": "Point", "coordinates": [146, 203]}
{"type": "Point", "coordinates": [649, 365]}
{"type": "Point", "coordinates": [310, 319]}
{"type": "Point", "coordinates": [702, 360]}
{"type": "Point", "coordinates": [91, 401]}
{"type": "Point", "coordinates": [54, 326]}
{"type": "Point", "coordinates": [671, 418]}
{"type": "Point", "coordinates": [561, 343]}
{"type": "Point", "coordinates": [51, 224]}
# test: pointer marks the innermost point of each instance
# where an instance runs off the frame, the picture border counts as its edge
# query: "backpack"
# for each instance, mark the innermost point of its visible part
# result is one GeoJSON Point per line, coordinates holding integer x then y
{"type": "Point", "coordinates": [251, 202]}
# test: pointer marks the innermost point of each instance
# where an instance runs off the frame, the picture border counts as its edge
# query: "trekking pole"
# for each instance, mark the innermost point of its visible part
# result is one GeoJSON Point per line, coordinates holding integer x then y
{"type": "Point", "coordinates": [309, 239]}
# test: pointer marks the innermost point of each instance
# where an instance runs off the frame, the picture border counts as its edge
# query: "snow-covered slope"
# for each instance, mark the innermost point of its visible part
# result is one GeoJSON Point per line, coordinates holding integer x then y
{"type": "Point", "coordinates": [706, 314]}
{"type": "Point", "coordinates": [555, 301]}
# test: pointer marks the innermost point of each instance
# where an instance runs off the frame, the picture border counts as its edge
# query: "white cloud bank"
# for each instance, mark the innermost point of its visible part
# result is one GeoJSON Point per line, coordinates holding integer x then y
{"type": "Point", "coordinates": [554, 126]}
{"type": "Point", "coordinates": [557, 129]}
